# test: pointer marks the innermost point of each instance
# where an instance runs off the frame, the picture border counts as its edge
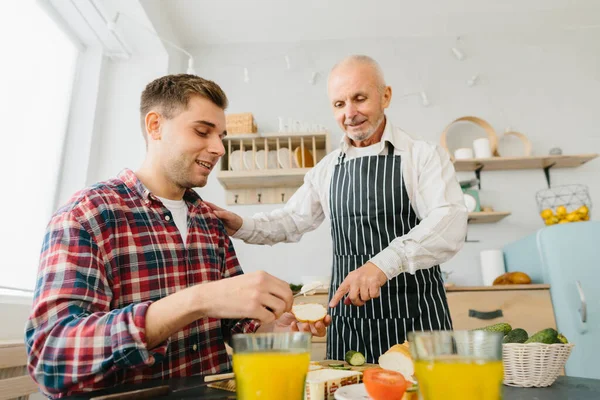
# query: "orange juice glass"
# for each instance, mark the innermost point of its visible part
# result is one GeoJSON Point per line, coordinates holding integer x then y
{"type": "Point", "coordinates": [271, 366]}
{"type": "Point", "coordinates": [453, 365]}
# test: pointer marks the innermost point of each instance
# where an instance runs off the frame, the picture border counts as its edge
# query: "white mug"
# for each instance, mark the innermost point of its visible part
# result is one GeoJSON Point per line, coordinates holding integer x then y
{"type": "Point", "coordinates": [482, 148]}
{"type": "Point", "coordinates": [463, 153]}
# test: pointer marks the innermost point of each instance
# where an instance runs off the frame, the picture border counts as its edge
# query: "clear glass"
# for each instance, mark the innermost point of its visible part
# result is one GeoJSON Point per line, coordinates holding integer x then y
{"type": "Point", "coordinates": [271, 366]}
{"type": "Point", "coordinates": [458, 365]}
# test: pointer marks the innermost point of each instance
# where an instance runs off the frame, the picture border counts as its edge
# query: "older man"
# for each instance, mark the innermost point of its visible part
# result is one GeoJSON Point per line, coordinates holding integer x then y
{"type": "Point", "coordinates": [396, 212]}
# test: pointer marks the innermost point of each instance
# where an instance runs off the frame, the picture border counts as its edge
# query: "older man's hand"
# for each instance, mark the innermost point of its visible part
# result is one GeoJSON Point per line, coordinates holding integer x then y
{"type": "Point", "coordinates": [361, 285]}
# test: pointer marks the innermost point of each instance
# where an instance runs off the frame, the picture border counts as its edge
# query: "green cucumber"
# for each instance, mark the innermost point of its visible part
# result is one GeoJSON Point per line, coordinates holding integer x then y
{"type": "Point", "coordinates": [355, 358]}
{"type": "Point", "coordinates": [342, 368]}
{"type": "Point", "coordinates": [335, 365]}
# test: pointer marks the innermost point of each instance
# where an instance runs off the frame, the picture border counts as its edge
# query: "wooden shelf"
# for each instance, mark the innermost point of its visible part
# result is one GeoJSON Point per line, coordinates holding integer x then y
{"type": "Point", "coordinates": [532, 286]}
{"type": "Point", "coordinates": [275, 178]}
{"type": "Point", "coordinates": [487, 217]}
{"type": "Point", "coordinates": [532, 162]}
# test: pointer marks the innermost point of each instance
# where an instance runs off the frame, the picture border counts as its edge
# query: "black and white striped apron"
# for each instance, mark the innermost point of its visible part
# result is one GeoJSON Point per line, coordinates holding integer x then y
{"type": "Point", "coordinates": [369, 208]}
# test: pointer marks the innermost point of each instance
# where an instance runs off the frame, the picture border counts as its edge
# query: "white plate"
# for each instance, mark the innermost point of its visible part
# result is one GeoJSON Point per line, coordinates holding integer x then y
{"type": "Point", "coordinates": [248, 160]}
{"type": "Point", "coordinates": [284, 158]}
{"type": "Point", "coordinates": [271, 159]}
{"type": "Point", "coordinates": [273, 162]}
{"type": "Point", "coordinates": [234, 161]}
{"type": "Point", "coordinates": [352, 392]}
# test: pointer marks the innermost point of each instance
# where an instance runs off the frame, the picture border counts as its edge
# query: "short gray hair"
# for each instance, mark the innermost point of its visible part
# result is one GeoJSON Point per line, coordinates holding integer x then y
{"type": "Point", "coordinates": [364, 60]}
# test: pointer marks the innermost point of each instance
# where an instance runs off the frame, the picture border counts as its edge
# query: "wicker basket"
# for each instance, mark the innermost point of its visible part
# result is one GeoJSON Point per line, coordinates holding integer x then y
{"type": "Point", "coordinates": [241, 123]}
{"type": "Point", "coordinates": [533, 364]}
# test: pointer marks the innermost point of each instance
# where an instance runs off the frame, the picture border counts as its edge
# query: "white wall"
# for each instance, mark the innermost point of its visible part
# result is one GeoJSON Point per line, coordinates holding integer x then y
{"type": "Point", "coordinates": [544, 85]}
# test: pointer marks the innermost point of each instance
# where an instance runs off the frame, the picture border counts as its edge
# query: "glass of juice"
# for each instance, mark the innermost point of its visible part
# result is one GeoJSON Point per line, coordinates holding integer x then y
{"type": "Point", "coordinates": [458, 365]}
{"type": "Point", "coordinates": [271, 366]}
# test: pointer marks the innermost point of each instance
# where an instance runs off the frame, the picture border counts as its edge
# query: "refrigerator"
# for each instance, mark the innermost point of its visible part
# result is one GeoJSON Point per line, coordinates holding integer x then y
{"type": "Point", "coordinates": [567, 256]}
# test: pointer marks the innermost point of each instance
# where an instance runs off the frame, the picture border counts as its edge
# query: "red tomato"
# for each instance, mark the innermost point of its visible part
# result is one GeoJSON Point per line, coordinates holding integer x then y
{"type": "Point", "coordinates": [382, 384]}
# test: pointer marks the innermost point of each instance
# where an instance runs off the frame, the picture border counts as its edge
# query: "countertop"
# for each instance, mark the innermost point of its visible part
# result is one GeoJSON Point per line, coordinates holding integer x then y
{"type": "Point", "coordinates": [564, 388]}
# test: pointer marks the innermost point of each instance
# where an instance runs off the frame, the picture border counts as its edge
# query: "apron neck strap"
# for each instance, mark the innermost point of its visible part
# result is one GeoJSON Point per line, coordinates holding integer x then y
{"type": "Point", "coordinates": [390, 148]}
{"type": "Point", "coordinates": [390, 151]}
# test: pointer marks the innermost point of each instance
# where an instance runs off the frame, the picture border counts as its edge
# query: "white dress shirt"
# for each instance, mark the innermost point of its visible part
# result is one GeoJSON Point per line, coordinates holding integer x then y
{"type": "Point", "coordinates": [432, 188]}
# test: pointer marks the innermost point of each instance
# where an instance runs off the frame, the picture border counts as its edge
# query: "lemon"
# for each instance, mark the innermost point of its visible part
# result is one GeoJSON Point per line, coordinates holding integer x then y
{"type": "Point", "coordinates": [561, 210]}
{"type": "Point", "coordinates": [572, 217]}
{"type": "Point", "coordinates": [547, 213]}
{"type": "Point", "coordinates": [563, 221]}
{"type": "Point", "coordinates": [583, 211]}
{"type": "Point", "coordinates": [552, 220]}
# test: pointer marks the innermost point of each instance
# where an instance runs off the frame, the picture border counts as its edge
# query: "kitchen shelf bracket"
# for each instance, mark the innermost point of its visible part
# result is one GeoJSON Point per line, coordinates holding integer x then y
{"type": "Point", "coordinates": [478, 174]}
{"type": "Point", "coordinates": [547, 173]}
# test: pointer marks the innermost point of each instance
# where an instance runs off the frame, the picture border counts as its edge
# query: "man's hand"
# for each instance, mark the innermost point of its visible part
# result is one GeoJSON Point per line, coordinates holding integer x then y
{"type": "Point", "coordinates": [232, 221]}
{"type": "Point", "coordinates": [361, 285]}
{"type": "Point", "coordinates": [256, 295]}
{"type": "Point", "coordinates": [288, 323]}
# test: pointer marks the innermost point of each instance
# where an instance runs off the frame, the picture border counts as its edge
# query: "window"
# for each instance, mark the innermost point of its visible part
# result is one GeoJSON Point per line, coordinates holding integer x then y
{"type": "Point", "coordinates": [37, 72]}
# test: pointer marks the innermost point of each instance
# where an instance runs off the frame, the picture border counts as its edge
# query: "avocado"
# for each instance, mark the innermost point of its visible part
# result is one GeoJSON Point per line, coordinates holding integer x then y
{"type": "Point", "coordinates": [501, 327]}
{"type": "Point", "coordinates": [547, 336]}
{"type": "Point", "coordinates": [516, 336]}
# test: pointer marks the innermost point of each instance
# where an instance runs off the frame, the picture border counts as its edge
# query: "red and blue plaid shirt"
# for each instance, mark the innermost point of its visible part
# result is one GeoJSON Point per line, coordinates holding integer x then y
{"type": "Point", "coordinates": [107, 255]}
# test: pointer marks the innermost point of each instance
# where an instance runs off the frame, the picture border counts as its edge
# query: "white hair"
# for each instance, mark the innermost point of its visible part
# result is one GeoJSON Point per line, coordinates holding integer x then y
{"type": "Point", "coordinates": [364, 60]}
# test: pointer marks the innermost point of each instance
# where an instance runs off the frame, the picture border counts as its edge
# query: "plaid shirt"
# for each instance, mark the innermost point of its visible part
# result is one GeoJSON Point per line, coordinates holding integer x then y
{"type": "Point", "coordinates": [107, 255]}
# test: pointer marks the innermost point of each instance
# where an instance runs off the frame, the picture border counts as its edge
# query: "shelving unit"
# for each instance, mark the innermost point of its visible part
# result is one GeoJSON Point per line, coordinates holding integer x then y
{"type": "Point", "coordinates": [267, 185]}
{"type": "Point", "coordinates": [515, 163]}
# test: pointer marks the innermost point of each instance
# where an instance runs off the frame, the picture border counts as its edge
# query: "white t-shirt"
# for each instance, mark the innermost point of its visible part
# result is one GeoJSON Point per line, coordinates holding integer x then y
{"type": "Point", "coordinates": [179, 210]}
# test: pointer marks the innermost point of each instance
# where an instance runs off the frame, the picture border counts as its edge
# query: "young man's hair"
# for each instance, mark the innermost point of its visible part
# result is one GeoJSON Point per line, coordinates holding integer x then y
{"type": "Point", "coordinates": [170, 95]}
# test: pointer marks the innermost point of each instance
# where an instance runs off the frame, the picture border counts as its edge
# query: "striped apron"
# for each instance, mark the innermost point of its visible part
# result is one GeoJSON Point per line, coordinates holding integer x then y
{"type": "Point", "coordinates": [369, 208]}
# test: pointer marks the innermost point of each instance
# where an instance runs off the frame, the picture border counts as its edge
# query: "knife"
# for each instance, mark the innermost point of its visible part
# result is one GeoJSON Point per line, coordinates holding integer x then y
{"type": "Point", "coordinates": [163, 390]}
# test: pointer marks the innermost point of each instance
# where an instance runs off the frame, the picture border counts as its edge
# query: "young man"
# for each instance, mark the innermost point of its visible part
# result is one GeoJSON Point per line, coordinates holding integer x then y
{"type": "Point", "coordinates": [138, 279]}
{"type": "Point", "coordinates": [396, 212]}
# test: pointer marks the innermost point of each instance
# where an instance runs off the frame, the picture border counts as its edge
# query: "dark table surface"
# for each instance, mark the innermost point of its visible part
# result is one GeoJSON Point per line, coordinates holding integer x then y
{"type": "Point", "coordinates": [565, 388]}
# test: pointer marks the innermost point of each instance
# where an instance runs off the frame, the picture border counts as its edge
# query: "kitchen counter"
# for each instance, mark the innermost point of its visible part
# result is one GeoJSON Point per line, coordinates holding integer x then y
{"type": "Point", "coordinates": [564, 388]}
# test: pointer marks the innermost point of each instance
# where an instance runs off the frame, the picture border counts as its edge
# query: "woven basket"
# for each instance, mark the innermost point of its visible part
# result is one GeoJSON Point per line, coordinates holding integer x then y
{"type": "Point", "coordinates": [241, 123]}
{"type": "Point", "coordinates": [533, 364]}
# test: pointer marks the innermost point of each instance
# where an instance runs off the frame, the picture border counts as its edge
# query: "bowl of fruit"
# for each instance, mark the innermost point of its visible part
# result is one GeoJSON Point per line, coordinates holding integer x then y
{"type": "Point", "coordinates": [564, 204]}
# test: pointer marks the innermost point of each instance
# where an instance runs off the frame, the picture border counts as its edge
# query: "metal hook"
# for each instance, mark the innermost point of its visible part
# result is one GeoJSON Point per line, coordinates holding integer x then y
{"type": "Point", "coordinates": [236, 198]}
{"type": "Point", "coordinates": [259, 195]}
{"type": "Point", "coordinates": [282, 197]}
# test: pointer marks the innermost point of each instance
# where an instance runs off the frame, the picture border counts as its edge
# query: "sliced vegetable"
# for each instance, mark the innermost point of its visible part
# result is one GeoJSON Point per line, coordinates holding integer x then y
{"type": "Point", "coordinates": [382, 384]}
{"type": "Point", "coordinates": [355, 358]}
{"type": "Point", "coordinates": [344, 368]}
{"type": "Point", "coordinates": [333, 365]}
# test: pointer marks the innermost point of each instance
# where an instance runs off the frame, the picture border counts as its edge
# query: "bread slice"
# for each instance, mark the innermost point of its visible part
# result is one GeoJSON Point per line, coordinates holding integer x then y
{"type": "Point", "coordinates": [310, 312]}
